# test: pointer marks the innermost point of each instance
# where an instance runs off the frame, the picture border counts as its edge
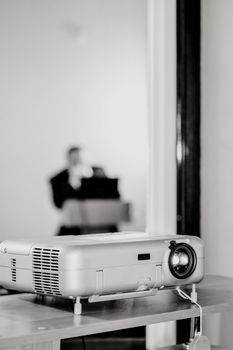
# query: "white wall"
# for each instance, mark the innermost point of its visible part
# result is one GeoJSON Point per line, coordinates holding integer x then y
{"type": "Point", "coordinates": [71, 71]}
{"type": "Point", "coordinates": [217, 141]}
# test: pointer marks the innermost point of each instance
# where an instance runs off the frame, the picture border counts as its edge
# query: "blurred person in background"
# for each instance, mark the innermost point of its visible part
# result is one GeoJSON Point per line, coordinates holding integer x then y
{"type": "Point", "coordinates": [67, 184]}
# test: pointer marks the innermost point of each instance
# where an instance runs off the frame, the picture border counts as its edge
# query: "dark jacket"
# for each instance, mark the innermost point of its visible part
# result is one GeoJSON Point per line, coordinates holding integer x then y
{"type": "Point", "coordinates": [61, 189]}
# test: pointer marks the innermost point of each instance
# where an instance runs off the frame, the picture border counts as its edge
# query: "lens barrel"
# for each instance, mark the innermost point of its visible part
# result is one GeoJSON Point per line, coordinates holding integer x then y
{"type": "Point", "coordinates": [182, 260]}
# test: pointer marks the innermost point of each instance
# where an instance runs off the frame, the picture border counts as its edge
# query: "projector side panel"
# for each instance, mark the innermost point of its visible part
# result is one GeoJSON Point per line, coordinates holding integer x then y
{"type": "Point", "coordinates": [80, 283]}
{"type": "Point", "coordinates": [111, 280]}
{"type": "Point", "coordinates": [131, 278]}
{"type": "Point", "coordinates": [106, 255]}
{"type": "Point", "coordinates": [20, 279]}
{"type": "Point", "coordinates": [15, 271]}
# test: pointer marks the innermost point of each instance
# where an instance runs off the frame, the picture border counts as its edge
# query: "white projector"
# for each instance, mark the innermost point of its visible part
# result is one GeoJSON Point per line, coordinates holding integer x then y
{"type": "Point", "coordinates": [101, 267]}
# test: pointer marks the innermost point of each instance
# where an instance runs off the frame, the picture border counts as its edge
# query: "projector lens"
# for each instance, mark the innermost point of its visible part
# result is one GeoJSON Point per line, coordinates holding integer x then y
{"type": "Point", "coordinates": [182, 260]}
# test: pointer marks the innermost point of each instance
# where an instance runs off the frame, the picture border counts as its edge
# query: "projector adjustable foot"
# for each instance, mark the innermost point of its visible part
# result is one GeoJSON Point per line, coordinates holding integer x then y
{"type": "Point", "coordinates": [194, 294]}
{"type": "Point", "coordinates": [77, 306]}
{"type": "Point", "coordinates": [110, 297]}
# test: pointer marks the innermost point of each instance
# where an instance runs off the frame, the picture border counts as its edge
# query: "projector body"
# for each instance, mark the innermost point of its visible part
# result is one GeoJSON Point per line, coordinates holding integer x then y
{"type": "Point", "coordinates": [101, 266]}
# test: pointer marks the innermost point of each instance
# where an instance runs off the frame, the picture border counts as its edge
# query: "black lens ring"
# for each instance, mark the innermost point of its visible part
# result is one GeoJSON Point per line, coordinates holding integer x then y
{"type": "Point", "coordinates": [187, 249]}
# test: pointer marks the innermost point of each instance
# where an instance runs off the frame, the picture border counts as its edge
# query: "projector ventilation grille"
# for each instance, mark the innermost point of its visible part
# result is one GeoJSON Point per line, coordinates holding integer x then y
{"type": "Point", "coordinates": [45, 263]}
{"type": "Point", "coordinates": [13, 270]}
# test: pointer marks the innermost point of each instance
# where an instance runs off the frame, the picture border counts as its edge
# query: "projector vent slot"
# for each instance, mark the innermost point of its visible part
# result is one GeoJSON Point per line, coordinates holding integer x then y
{"type": "Point", "coordinates": [13, 270]}
{"type": "Point", "coordinates": [45, 263]}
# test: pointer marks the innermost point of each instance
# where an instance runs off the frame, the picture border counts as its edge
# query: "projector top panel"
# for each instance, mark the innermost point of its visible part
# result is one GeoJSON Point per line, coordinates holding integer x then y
{"type": "Point", "coordinates": [119, 237]}
{"type": "Point", "coordinates": [20, 246]}
{"type": "Point", "coordinates": [101, 238]}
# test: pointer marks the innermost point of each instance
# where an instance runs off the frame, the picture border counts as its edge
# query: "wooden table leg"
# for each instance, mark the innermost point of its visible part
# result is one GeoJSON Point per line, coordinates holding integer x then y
{"type": "Point", "coordinates": [48, 345]}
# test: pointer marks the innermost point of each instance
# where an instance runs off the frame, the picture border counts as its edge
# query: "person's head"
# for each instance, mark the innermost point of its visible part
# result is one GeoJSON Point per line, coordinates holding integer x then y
{"type": "Point", "coordinates": [74, 156]}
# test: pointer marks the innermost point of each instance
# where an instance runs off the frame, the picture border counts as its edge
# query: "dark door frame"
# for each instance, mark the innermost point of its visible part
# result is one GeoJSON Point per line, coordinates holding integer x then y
{"type": "Point", "coordinates": [188, 126]}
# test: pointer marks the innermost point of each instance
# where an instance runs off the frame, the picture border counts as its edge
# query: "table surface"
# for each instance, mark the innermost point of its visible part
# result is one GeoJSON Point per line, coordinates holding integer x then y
{"type": "Point", "coordinates": [27, 318]}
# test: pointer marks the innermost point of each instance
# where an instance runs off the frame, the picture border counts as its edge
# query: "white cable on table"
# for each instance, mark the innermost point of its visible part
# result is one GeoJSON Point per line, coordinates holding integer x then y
{"type": "Point", "coordinates": [193, 300]}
